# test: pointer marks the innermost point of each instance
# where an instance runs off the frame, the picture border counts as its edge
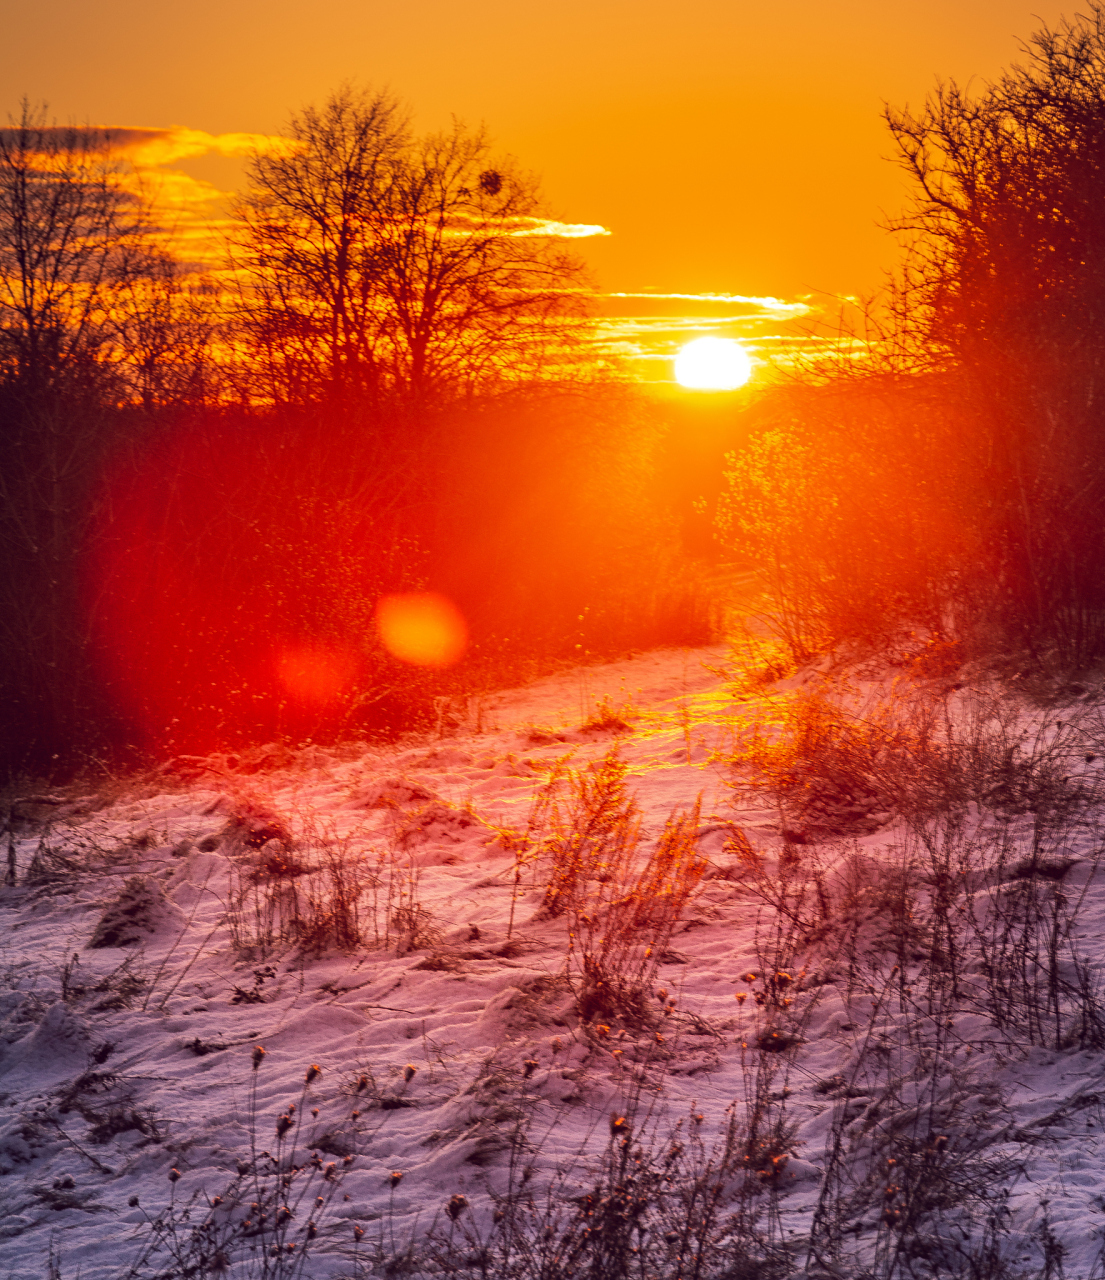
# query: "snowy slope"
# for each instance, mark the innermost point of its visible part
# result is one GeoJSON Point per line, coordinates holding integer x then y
{"type": "Point", "coordinates": [130, 1069]}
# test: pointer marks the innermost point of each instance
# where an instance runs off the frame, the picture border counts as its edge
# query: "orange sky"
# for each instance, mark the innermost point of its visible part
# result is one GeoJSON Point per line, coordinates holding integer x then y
{"type": "Point", "coordinates": [730, 148]}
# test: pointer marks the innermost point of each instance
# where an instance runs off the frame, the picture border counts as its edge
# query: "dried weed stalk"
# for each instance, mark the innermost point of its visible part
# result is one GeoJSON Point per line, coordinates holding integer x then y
{"type": "Point", "coordinates": [622, 907]}
{"type": "Point", "coordinates": [324, 889]}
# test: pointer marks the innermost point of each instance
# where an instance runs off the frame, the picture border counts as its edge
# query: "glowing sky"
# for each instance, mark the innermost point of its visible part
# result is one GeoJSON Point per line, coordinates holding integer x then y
{"type": "Point", "coordinates": [732, 150]}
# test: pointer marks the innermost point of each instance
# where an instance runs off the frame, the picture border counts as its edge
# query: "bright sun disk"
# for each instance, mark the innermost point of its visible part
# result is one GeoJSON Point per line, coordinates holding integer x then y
{"type": "Point", "coordinates": [712, 364]}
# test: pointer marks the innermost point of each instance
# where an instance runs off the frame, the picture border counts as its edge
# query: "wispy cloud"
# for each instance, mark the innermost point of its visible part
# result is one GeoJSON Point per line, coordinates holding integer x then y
{"type": "Point", "coordinates": [191, 210]}
{"type": "Point", "coordinates": [150, 147]}
{"type": "Point", "coordinates": [182, 198]}
{"type": "Point", "coordinates": [642, 329]}
{"type": "Point", "coordinates": [474, 223]}
{"type": "Point", "coordinates": [561, 230]}
{"type": "Point", "coordinates": [776, 308]}
{"type": "Point", "coordinates": [145, 147]}
{"type": "Point", "coordinates": [645, 329]}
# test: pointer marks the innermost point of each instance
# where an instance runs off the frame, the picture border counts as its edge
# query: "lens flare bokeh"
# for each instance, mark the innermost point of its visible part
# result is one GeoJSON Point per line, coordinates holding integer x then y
{"type": "Point", "coordinates": [422, 628]}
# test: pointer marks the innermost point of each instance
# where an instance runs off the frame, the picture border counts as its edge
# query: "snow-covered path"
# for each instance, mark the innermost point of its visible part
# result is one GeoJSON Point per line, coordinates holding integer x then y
{"type": "Point", "coordinates": [131, 1071]}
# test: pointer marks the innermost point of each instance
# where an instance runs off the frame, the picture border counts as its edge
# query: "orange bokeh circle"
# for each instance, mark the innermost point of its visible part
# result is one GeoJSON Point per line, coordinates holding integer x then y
{"type": "Point", "coordinates": [422, 628]}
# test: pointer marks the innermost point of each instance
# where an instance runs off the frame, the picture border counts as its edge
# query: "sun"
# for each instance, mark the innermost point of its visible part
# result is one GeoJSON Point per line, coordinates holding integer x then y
{"type": "Point", "coordinates": [712, 364]}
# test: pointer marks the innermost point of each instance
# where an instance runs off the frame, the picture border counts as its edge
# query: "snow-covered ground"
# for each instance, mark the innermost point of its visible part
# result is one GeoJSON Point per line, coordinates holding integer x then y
{"type": "Point", "coordinates": [130, 1076]}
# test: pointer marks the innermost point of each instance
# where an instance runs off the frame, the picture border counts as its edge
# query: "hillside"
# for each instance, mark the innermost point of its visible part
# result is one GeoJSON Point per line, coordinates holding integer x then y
{"type": "Point", "coordinates": [640, 970]}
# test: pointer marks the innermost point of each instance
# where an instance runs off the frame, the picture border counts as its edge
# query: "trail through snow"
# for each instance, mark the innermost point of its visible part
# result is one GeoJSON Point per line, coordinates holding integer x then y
{"type": "Point", "coordinates": [120, 1063]}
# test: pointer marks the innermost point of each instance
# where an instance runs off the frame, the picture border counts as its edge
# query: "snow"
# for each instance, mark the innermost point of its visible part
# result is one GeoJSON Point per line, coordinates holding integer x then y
{"type": "Point", "coordinates": [130, 1010]}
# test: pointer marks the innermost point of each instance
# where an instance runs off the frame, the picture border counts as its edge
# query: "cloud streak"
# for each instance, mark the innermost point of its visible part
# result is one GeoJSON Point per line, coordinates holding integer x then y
{"type": "Point", "coordinates": [644, 330]}
{"type": "Point", "coordinates": [195, 207]}
{"type": "Point", "coordinates": [719, 305]}
{"type": "Point", "coordinates": [145, 147]}
{"type": "Point", "coordinates": [152, 147]}
{"type": "Point", "coordinates": [560, 230]}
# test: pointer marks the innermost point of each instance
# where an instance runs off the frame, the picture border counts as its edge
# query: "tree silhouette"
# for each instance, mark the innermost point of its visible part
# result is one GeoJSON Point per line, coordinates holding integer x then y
{"type": "Point", "coordinates": [67, 228]}
{"type": "Point", "coordinates": [1004, 290]}
{"type": "Point", "coordinates": [379, 267]}
{"type": "Point", "coordinates": [306, 250]}
{"type": "Point", "coordinates": [478, 292]}
{"type": "Point", "coordinates": [70, 233]}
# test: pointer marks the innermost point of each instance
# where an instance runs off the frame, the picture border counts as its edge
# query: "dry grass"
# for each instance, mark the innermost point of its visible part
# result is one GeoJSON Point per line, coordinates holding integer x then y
{"type": "Point", "coordinates": [621, 904]}
{"type": "Point", "coordinates": [610, 717]}
{"type": "Point", "coordinates": [592, 830]}
{"type": "Point", "coordinates": [620, 932]}
{"type": "Point", "coordinates": [325, 889]}
{"type": "Point", "coordinates": [266, 1221]}
{"type": "Point", "coordinates": [835, 761]}
{"type": "Point", "coordinates": [659, 1203]}
{"type": "Point", "coordinates": [973, 909]}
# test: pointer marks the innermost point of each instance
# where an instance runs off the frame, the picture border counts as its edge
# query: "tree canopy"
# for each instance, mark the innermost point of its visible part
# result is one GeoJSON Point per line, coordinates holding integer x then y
{"type": "Point", "coordinates": [954, 477]}
{"type": "Point", "coordinates": [377, 265]}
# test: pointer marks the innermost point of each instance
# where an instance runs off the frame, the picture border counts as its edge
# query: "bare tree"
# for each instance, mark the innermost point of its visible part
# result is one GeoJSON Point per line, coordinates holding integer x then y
{"type": "Point", "coordinates": [165, 324]}
{"type": "Point", "coordinates": [378, 267]}
{"type": "Point", "coordinates": [307, 246]}
{"type": "Point", "coordinates": [956, 478]}
{"type": "Point", "coordinates": [66, 221]}
{"type": "Point", "coordinates": [1003, 293]}
{"type": "Point", "coordinates": [67, 226]}
{"type": "Point", "coordinates": [479, 291]}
